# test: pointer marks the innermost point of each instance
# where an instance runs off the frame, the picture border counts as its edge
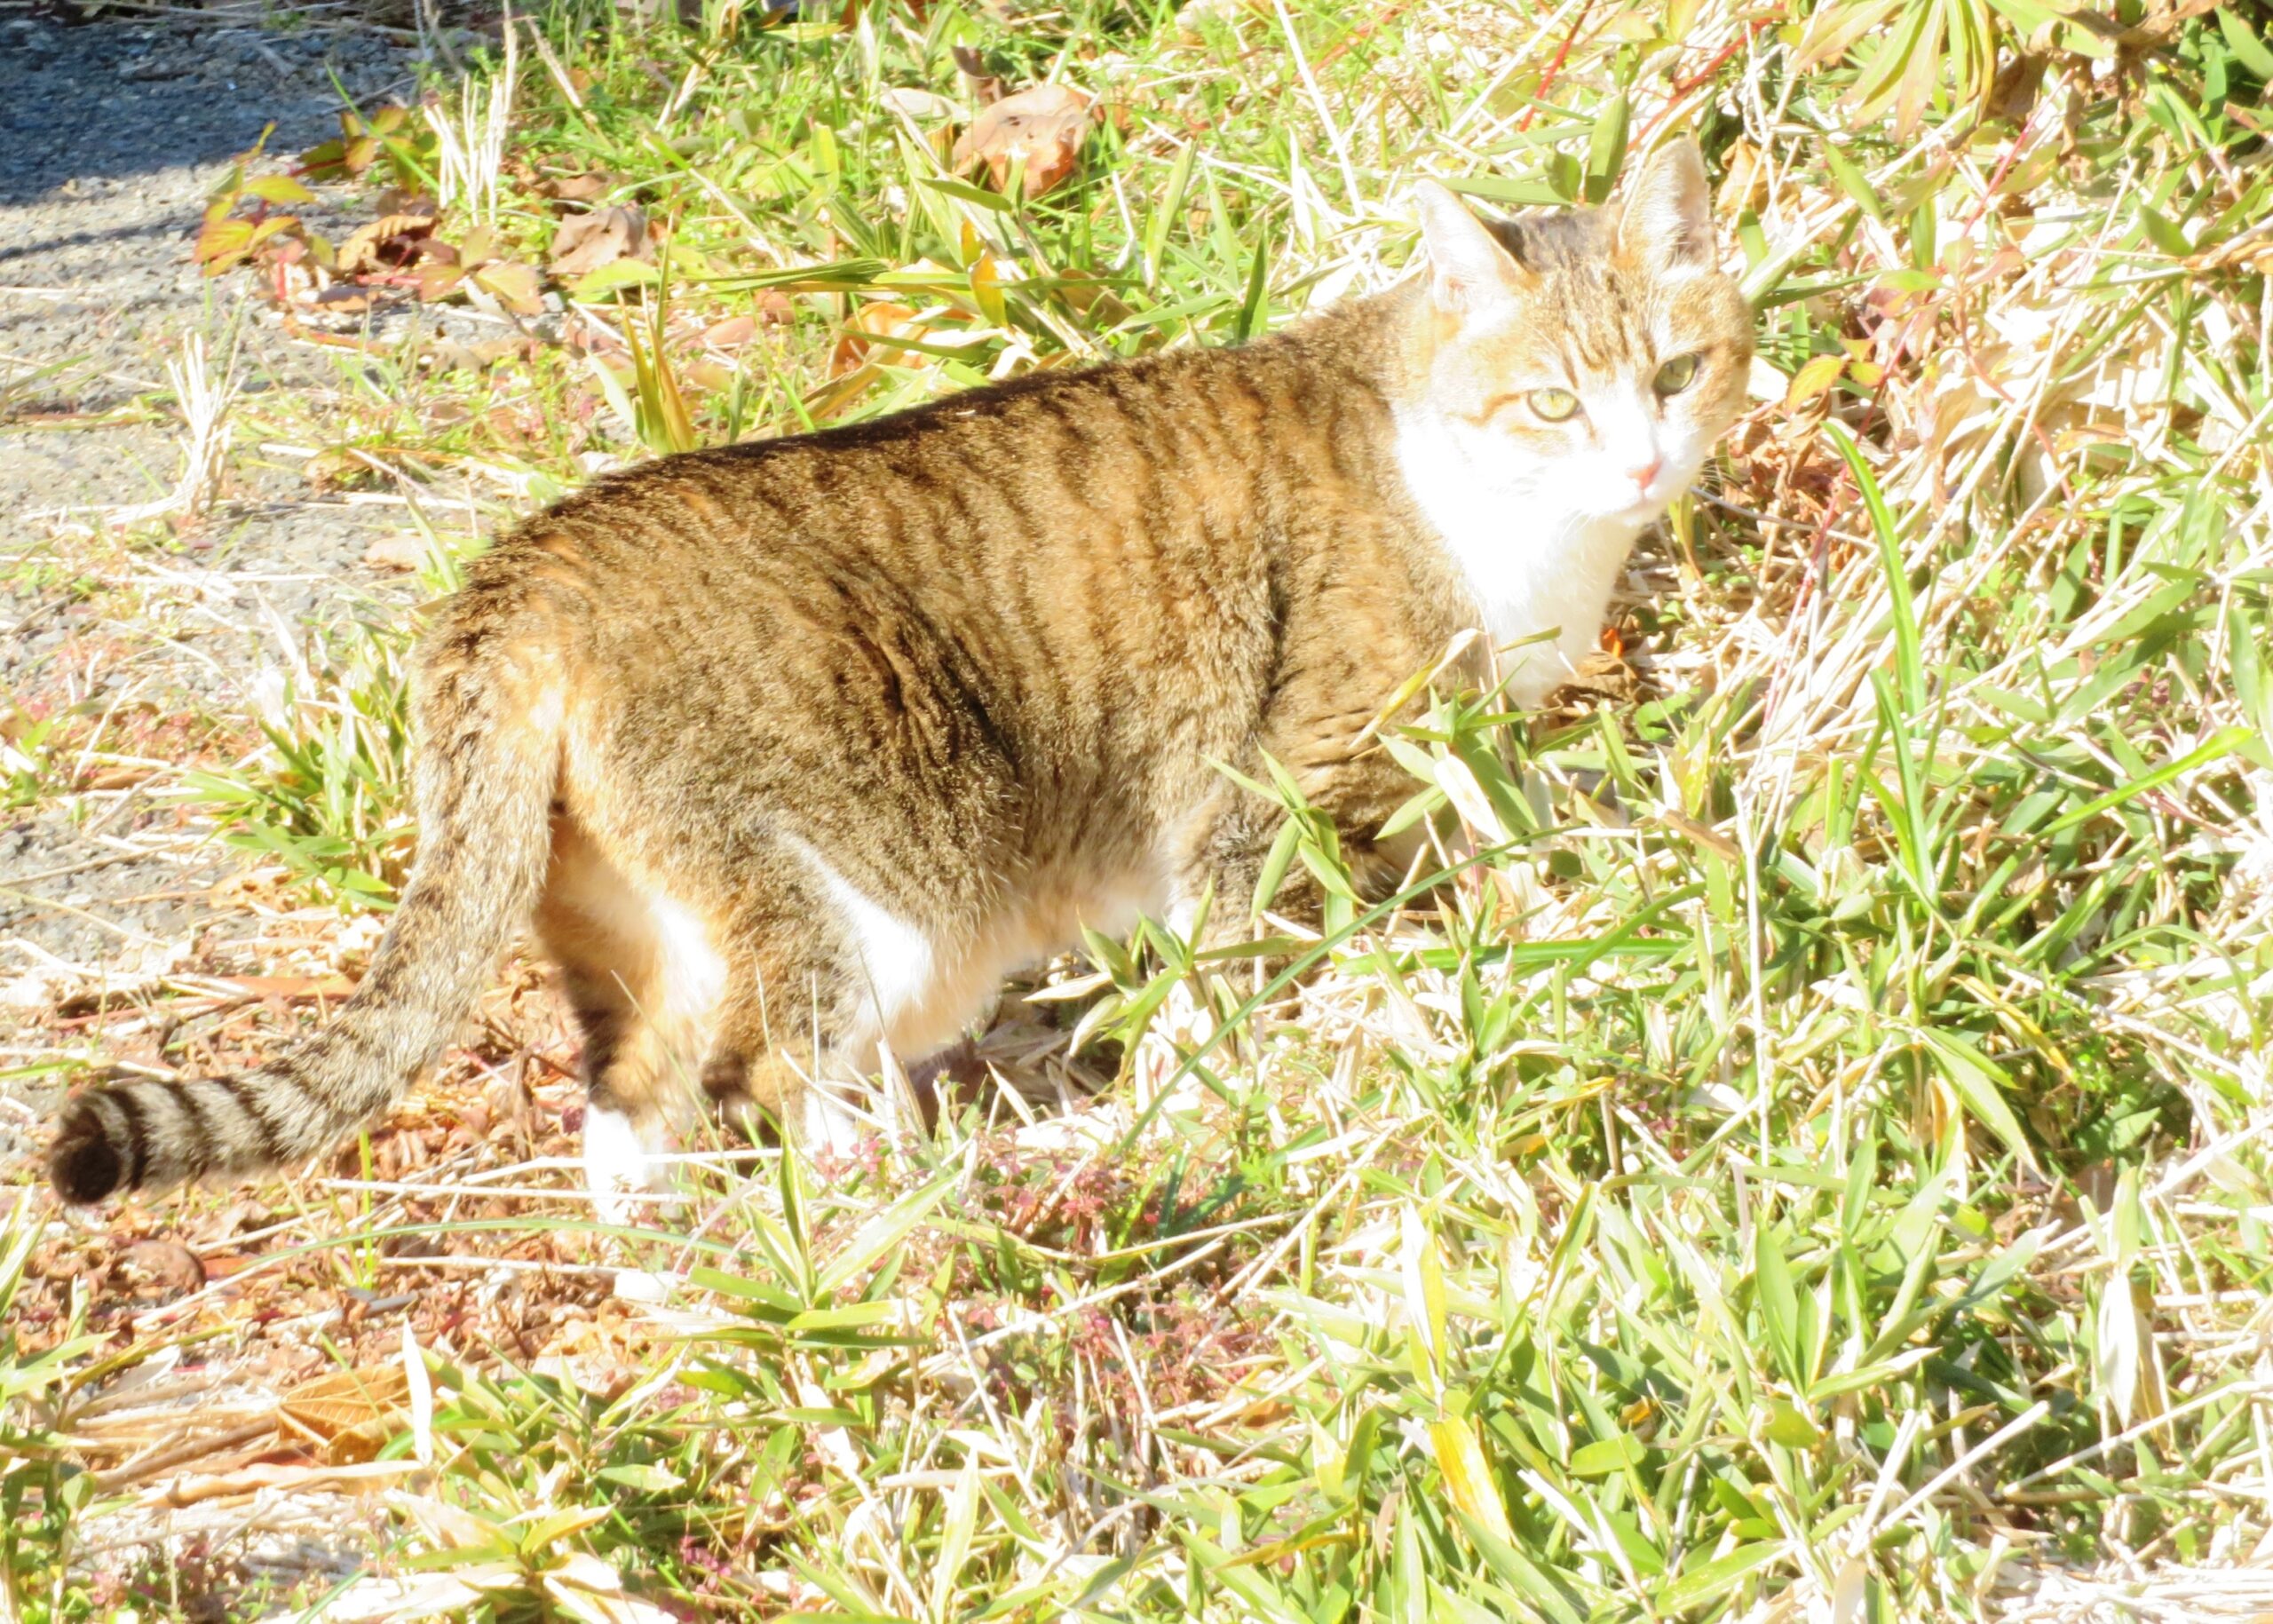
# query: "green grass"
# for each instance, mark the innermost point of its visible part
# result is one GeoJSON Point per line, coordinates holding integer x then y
{"type": "Point", "coordinates": [1811, 1147]}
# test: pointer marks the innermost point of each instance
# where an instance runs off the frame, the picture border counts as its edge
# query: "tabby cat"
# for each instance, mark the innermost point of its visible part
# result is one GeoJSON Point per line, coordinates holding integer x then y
{"type": "Point", "coordinates": [792, 748]}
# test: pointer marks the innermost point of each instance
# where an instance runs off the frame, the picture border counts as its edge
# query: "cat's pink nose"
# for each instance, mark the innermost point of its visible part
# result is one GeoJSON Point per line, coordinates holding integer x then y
{"type": "Point", "coordinates": [1646, 475]}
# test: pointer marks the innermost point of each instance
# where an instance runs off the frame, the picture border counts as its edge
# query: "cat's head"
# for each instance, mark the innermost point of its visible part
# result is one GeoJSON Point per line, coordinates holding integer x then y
{"type": "Point", "coordinates": [1594, 355]}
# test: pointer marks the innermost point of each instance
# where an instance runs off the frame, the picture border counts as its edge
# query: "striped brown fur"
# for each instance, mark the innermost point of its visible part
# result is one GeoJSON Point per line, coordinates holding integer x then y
{"type": "Point", "coordinates": [791, 747]}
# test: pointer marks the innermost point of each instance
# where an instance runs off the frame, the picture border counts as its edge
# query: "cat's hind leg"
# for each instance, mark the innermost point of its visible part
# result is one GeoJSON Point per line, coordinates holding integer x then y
{"type": "Point", "coordinates": [766, 1001]}
{"type": "Point", "coordinates": [821, 975]}
{"type": "Point", "coordinates": [640, 973]}
{"type": "Point", "coordinates": [790, 1038]}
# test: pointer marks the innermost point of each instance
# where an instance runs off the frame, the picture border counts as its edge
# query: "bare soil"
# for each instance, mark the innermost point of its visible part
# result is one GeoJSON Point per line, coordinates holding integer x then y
{"type": "Point", "coordinates": [137, 645]}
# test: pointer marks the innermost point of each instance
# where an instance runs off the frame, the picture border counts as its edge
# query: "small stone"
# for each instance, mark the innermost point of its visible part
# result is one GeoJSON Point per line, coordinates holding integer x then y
{"type": "Point", "coordinates": [405, 549]}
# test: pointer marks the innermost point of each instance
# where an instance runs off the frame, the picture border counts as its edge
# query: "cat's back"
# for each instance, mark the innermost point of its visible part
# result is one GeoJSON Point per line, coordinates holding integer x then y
{"type": "Point", "coordinates": [1077, 540]}
{"type": "Point", "coordinates": [1049, 587]}
{"type": "Point", "coordinates": [1002, 464]}
{"type": "Point", "coordinates": [1168, 444]}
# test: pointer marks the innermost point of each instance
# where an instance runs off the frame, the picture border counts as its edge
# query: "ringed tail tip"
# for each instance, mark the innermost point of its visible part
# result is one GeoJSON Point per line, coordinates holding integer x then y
{"type": "Point", "coordinates": [82, 1162]}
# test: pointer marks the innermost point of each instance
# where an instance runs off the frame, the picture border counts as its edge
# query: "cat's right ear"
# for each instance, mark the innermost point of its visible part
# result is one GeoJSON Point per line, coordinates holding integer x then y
{"type": "Point", "coordinates": [1667, 221]}
{"type": "Point", "coordinates": [1468, 270]}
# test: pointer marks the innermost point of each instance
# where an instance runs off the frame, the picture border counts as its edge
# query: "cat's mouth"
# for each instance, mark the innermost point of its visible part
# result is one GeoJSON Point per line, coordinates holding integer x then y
{"type": "Point", "coordinates": [1652, 499]}
{"type": "Point", "coordinates": [1648, 505]}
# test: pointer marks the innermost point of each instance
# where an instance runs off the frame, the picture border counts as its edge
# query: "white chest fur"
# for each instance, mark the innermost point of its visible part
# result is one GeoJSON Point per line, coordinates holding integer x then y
{"type": "Point", "coordinates": [1534, 559]}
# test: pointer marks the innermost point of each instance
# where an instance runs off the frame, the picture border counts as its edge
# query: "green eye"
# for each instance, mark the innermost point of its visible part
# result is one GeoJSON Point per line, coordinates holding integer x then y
{"type": "Point", "coordinates": [1554, 405]}
{"type": "Point", "coordinates": [1676, 374]}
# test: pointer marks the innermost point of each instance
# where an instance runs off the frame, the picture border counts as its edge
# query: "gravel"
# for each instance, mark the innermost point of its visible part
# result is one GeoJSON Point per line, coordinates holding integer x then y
{"type": "Point", "coordinates": [111, 134]}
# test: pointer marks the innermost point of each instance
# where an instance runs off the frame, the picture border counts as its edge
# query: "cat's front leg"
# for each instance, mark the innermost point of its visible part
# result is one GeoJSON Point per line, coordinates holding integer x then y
{"type": "Point", "coordinates": [1228, 866]}
{"type": "Point", "coordinates": [1216, 905]}
{"type": "Point", "coordinates": [1217, 863]}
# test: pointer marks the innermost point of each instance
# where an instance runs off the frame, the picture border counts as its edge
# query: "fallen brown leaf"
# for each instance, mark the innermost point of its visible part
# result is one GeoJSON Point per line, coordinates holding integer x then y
{"type": "Point", "coordinates": [513, 285]}
{"type": "Point", "coordinates": [1042, 126]}
{"type": "Point", "coordinates": [871, 324]}
{"type": "Point", "coordinates": [587, 242]}
{"type": "Point", "coordinates": [440, 281]}
{"type": "Point", "coordinates": [221, 1230]}
{"type": "Point", "coordinates": [349, 1414]}
{"type": "Point", "coordinates": [168, 1268]}
{"type": "Point", "coordinates": [587, 188]}
{"type": "Point", "coordinates": [505, 1101]}
{"type": "Point", "coordinates": [390, 242]}
{"type": "Point", "coordinates": [774, 308]}
{"type": "Point", "coordinates": [731, 334]}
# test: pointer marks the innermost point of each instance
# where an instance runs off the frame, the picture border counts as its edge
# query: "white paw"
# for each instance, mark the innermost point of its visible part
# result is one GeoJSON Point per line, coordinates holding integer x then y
{"type": "Point", "coordinates": [1179, 1027]}
{"type": "Point", "coordinates": [619, 1168]}
{"type": "Point", "coordinates": [829, 1123]}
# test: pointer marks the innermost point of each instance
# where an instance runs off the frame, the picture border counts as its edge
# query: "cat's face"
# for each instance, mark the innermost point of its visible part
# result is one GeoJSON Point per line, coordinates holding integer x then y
{"type": "Point", "coordinates": [1588, 360]}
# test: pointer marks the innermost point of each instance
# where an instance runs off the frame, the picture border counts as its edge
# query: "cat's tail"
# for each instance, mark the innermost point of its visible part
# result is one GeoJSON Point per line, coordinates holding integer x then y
{"type": "Point", "coordinates": [490, 697]}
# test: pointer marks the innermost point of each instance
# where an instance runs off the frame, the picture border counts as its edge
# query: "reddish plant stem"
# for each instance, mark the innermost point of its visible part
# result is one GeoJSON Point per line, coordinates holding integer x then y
{"type": "Point", "coordinates": [1561, 55]}
{"type": "Point", "coordinates": [1690, 82]}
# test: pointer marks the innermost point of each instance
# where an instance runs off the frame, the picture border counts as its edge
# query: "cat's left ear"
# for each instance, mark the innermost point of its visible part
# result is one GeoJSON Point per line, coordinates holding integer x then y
{"type": "Point", "coordinates": [1667, 220]}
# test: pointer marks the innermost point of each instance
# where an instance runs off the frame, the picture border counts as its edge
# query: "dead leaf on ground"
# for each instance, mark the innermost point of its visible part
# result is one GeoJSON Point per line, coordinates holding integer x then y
{"type": "Point", "coordinates": [391, 242]}
{"type": "Point", "coordinates": [729, 334]}
{"type": "Point", "coordinates": [865, 333]}
{"type": "Point", "coordinates": [506, 1098]}
{"type": "Point", "coordinates": [587, 188]}
{"type": "Point", "coordinates": [164, 1269]}
{"type": "Point", "coordinates": [1043, 126]}
{"type": "Point", "coordinates": [439, 279]}
{"type": "Point", "coordinates": [512, 284]}
{"type": "Point", "coordinates": [239, 1217]}
{"type": "Point", "coordinates": [348, 1414]}
{"type": "Point", "coordinates": [986, 87]}
{"type": "Point", "coordinates": [773, 308]}
{"type": "Point", "coordinates": [587, 242]}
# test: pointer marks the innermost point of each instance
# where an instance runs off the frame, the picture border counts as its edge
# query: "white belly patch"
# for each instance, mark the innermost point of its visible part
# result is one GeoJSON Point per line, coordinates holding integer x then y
{"type": "Point", "coordinates": [923, 992]}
